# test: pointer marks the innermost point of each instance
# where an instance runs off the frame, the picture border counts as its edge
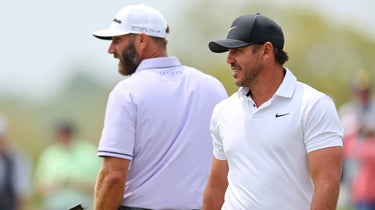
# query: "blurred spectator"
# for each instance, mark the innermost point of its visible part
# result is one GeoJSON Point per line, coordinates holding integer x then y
{"type": "Point", "coordinates": [15, 174]}
{"type": "Point", "coordinates": [66, 171]}
{"type": "Point", "coordinates": [358, 118]}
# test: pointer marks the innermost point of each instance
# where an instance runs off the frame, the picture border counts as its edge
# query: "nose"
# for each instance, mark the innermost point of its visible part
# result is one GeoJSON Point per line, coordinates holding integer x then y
{"type": "Point", "coordinates": [230, 57]}
{"type": "Point", "coordinates": [111, 49]}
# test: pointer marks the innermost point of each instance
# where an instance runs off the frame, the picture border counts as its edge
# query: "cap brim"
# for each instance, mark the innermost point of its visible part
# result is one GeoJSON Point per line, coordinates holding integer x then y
{"type": "Point", "coordinates": [107, 34]}
{"type": "Point", "coordinates": [226, 44]}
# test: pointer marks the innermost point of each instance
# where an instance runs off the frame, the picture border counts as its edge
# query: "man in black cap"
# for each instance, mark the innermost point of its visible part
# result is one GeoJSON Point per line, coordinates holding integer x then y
{"type": "Point", "coordinates": [277, 141]}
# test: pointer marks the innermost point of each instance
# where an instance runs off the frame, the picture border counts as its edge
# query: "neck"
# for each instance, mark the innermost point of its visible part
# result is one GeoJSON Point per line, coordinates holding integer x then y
{"type": "Point", "coordinates": [267, 85]}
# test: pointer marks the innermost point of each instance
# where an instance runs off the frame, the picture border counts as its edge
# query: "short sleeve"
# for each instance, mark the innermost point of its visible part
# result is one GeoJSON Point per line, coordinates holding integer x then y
{"type": "Point", "coordinates": [321, 125]}
{"type": "Point", "coordinates": [218, 149]}
{"type": "Point", "coordinates": [118, 135]}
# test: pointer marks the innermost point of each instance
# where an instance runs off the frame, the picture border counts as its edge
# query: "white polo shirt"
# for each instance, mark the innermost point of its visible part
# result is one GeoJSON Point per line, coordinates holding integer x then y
{"type": "Point", "coordinates": [266, 147]}
{"type": "Point", "coordinates": [159, 119]}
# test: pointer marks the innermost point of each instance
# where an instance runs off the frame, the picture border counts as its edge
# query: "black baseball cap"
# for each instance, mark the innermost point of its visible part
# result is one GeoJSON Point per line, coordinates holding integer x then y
{"type": "Point", "coordinates": [247, 30]}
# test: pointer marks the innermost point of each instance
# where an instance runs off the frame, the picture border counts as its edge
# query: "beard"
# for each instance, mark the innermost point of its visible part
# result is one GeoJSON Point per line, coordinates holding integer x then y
{"type": "Point", "coordinates": [129, 60]}
{"type": "Point", "coordinates": [251, 74]}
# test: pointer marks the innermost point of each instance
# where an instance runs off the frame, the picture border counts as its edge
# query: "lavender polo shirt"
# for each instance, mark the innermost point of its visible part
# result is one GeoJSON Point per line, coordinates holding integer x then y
{"type": "Point", "coordinates": [159, 119]}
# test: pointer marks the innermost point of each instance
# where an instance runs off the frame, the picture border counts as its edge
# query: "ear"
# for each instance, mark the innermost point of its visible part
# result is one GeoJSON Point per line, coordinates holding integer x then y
{"type": "Point", "coordinates": [267, 50]}
{"type": "Point", "coordinates": [143, 40]}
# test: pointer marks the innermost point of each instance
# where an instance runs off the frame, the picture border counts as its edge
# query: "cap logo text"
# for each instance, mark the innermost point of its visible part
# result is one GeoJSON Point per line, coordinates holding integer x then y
{"type": "Point", "coordinates": [144, 29]}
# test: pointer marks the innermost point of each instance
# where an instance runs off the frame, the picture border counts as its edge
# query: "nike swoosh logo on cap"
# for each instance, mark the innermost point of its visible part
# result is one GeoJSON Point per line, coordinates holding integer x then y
{"type": "Point", "coordinates": [231, 28]}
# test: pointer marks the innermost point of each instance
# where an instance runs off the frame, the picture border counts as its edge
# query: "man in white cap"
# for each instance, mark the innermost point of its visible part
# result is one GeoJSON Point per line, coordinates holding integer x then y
{"type": "Point", "coordinates": [277, 141]}
{"type": "Point", "coordinates": [155, 142]}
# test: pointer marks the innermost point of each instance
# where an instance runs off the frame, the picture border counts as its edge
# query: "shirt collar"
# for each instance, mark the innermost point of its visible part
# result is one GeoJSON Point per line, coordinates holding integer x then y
{"type": "Point", "coordinates": [287, 87]}
{"type": "Point", "coordinates": [158, 63]}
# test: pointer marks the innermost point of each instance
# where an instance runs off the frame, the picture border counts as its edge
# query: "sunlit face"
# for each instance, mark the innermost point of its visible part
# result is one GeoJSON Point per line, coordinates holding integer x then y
{"type": "Point", "coordinates": [246, 65]}
{"type": "Point", "coordinates": [123, 48]}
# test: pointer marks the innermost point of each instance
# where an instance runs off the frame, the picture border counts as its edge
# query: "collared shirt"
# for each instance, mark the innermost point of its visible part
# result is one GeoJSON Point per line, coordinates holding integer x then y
{"type": "Point", "coordinates": [266, 147]}
{"type": "Point", "coordinates": [159, 119]}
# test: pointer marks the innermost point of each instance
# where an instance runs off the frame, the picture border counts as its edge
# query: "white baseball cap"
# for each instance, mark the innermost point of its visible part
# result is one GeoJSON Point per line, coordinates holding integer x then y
{"type": "Point", "coordinates": [135, 19]}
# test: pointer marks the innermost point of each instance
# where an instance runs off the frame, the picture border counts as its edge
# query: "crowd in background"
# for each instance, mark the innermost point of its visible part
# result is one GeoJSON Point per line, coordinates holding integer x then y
{"type": "Point", "coordinates": [65, 172]}
{"type": "Point", "coordinates": [63, 176]}
{"type": "Point", "coordinates": [358, 119]}
{"type": "Point", "coordinates": [48, 179]}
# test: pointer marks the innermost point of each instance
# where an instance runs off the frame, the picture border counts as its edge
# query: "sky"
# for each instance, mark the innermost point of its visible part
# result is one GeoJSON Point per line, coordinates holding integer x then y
{"type": "Point", "coordinates": [44, 42]}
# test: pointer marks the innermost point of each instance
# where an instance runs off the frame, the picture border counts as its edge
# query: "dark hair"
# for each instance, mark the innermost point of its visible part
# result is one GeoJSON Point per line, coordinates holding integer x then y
{"type": "Point", "coordinates": [66, 127]}
{"type": "Point", "coordinates": [280, 55]}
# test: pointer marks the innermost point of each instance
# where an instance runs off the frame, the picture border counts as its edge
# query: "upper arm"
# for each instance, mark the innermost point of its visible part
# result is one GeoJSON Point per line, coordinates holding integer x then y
{"type": "Point", "coordinates": [325, 169]}
{"type": "Point", "coordinates": [216, 186]}
{"type": "Point", "coordinates": [326, 164]}
{"type": "Point", "coordinates": [218, 175]}
{"type": "Point", "coordinates": [112, 176]}
{"type": "Point", "coordinates": [114, 171]}
{"type": "Point", "coordinates": [110, 185]}
{"type": "Point", "coordinates": [115, 166]}
{"type": "Point", "coordinates": [219, 171]}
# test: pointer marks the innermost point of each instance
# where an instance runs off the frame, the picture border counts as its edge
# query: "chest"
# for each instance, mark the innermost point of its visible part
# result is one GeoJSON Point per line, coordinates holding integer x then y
{"type": "Point", "coordinates": [276, 129]}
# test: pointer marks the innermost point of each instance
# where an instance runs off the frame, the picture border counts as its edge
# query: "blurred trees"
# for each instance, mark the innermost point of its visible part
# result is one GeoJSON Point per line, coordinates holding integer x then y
{"type": "Point", "coordinates": [322, 54]}
{"type": "Point", "coordinates": [31, 124]}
